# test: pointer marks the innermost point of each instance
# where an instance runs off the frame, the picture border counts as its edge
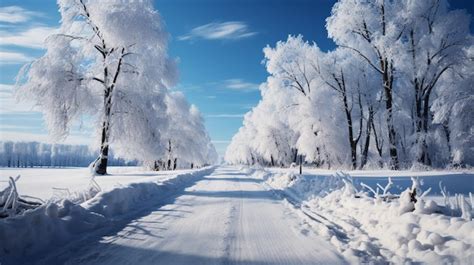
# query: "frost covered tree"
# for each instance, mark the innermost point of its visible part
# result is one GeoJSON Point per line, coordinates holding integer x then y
{"type": "Point", "coordinates": [454, 112]}
{"type": "Point", "coordinates": [434, 38]}
{"type": "Point", "coordinates": [188, 142]}
{"type": "Point", "coordinates": [294, 116]}
{"type": "Point", "coordinates": [371, 30]}
{"type": "Point", "coordinates": [291, 88]}
{"type": "Point", "coordinates": [108, 60]}
{"type": "Point", "coordinates": [339, 72]}
{"type": "Point", "coordinates": [397, 89]}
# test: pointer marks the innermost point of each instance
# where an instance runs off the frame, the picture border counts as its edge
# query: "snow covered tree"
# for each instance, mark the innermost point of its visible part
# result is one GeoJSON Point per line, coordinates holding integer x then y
{"type": "Point", "coordinates": [186, 137]}
{"type": "Point", "coordinates": [340, 73]}
{"type": "Point", "coordinates": [453, 111]}
{"type": "Point", "coordinates": [399, 81]}
{"type": "Point", "coordinates": [107, 60]}
{"type": "Point", "coordinates": [371, 30]}
{"type": "Point", "coordinates": [434, 38]}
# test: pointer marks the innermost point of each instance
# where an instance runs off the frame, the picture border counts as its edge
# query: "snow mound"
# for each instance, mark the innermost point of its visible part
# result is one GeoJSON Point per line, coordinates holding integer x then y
{"type": "Point", "coordinates": [56, 223]}
{"type": "Point", "coordinates": [379, 228]}
{"type": "Point", "coordinates": [303, 186]}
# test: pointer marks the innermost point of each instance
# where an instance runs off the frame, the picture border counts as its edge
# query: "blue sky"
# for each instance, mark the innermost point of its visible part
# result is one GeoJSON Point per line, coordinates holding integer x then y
{"type": "Point", "coordinates": [218, 42]}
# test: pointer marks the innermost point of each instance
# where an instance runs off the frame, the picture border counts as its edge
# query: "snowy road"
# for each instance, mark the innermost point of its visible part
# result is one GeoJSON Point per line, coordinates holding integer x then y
{"type": "Point", "coordinates": [225, 218]}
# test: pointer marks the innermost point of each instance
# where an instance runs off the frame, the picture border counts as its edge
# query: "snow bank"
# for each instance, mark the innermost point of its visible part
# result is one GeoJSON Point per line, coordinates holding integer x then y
{"type": "Point", "coordinates": [381, 229]}
{"type": "Point", "coordinates": [54, 224]}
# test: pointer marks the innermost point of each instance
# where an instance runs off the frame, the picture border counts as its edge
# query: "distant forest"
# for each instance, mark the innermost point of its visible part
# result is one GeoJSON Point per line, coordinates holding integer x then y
{"type": "Point", "coordinates": [35, 154]}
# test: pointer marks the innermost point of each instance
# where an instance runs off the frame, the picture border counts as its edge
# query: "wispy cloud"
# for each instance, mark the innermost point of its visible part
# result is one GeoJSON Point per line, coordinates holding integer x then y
{"type": "Point", "coordinates": [33, 37]}
{"type": "Point", "coordinates": [4, 88]}
{"type": "Point", "coordinates": [7, 57]}
{"type": "Point", "coordinates": [231, 30]}
{"type": "Point", "coordinates": [8, 103]}
{"type": "Point", "coordinates": [225, 115]}
{"type": "Point", "coordinates": [43, 137]}
{"type": "Point", "coordinates": [239, 84]}
{"type": "Point", "coordinates": [16, 14]}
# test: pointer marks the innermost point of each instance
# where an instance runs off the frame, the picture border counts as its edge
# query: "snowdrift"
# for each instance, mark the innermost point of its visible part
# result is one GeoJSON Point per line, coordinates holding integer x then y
{"type": "Point", "coordinates": [51, 225]}
{"type": "Point", "coordinates": [378, 229]}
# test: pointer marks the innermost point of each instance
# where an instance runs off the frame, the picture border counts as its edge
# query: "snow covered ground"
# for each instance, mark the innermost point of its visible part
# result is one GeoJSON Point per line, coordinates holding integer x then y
{"type": "Point", "coordinates": [235, 215]}
{"type": "Point", "coordinates": [39, 182]}
{"type": "Point", "coordinates": [455, 182]}
{"type": "Point", "coordinates": [26, 238]}
{"type": "Point", "coordinates": [375, 230]}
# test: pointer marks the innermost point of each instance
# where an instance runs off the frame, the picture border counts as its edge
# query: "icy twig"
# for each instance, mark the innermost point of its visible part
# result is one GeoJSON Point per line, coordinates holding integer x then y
{"type": "Point", "coordinates": [369, 188]}
{"type": "Point", "coordinates": [425, 193]}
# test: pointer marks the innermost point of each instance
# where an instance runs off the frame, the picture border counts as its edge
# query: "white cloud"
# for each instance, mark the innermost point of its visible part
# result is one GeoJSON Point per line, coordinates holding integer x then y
{"type": "Point", "coordinates": [33, 37]}
{"type": "Point", "coordinates": [8, 103]}
{"type": "Point", "coordinates": [43, 137]}
{"type": "Point", "coordinates": [4, 88]}
{"type": "Point", "coordinates": [16, 14]}
{"type": "Point", "coordinates": [14, 58]}
{"type": "Point", "coordinates": [225, 115]}
{"type": "Point", "coordinates": [239, 84]}
{"type": "Point", "coordinates": [231, 30]}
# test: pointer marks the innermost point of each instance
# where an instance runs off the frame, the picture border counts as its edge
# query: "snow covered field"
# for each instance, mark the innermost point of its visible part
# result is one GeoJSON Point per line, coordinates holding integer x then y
{"type": "Point", "coordinates": [39, 182]}
{"type": "Point", "coordinates": [235, 215]}
{"type": "Point", "coordinates": [27, 237]}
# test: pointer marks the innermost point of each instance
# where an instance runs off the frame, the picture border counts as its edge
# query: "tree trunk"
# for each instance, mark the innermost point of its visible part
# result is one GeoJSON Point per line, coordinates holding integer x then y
{"type": "Point", "coordinates": [295, 155]}
{"type": "Point", "coordinates": [352, 142]}
{"type": "Point", "coordinates": [392, 136]}
{"type": "Point", "coordinates": [101, 167]}
{"type": "Point", "coordinates": [425, 126]}
{"type": "Point", "coordinates": [368, 132]}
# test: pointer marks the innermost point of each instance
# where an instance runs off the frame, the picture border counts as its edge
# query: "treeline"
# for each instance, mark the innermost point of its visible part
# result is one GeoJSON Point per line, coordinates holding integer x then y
{"type": "Point", "coordinates": [35, 154]}
{"type": "Point", "coordinates": [396, 92]}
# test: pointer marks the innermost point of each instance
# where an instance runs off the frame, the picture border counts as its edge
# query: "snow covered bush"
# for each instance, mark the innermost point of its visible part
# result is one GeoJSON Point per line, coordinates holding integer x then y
{"type": "Point", "coordinates": [11, 203]}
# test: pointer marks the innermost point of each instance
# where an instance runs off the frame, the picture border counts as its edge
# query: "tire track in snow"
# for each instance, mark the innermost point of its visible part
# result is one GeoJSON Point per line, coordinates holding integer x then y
{"type": "Point", "coordinates": [231, 219]}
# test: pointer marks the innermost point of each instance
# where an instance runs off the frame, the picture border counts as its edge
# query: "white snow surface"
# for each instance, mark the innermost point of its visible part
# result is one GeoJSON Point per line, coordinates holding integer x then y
{"type": "Point", "coordinates": [375, 231]}
{"type": "Point", "coordinates": [232, 215]}
{"type": "Point", "coordinates": [25, 238]}
{"type": "Point", "coordinates": [227, 217]}
{"type": "Point", "coordinates": [39, 182]}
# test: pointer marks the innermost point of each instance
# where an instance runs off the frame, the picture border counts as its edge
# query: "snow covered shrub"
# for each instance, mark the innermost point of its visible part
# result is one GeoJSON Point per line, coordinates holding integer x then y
{"type": "Point", "coordinates": [12, 203]}
{"type": "Point", "coordinates": [60, 194]}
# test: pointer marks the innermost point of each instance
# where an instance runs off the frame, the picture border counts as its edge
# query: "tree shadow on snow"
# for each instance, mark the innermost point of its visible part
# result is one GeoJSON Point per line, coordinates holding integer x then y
{"type": "Point", "coordinates": [126, 226]}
